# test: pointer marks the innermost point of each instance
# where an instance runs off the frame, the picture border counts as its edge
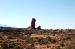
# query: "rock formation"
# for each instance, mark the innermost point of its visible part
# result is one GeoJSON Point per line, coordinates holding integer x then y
{"type": "Point", "coordinates": [33, 23]}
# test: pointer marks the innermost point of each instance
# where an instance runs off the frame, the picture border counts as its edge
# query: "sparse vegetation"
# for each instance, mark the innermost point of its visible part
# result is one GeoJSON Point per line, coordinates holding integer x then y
{"type": "Point", "coordinates": [39, 27]}
{"type": "Point", "coordinates": [31, 39]}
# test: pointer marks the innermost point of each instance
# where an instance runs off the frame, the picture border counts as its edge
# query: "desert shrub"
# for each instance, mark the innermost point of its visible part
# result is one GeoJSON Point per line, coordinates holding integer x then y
{"type": "Point", "coordinates": [29, 48]}
{"type": "Point", "coordinates": [58, 47]}
{"type": "Point", "coordinates": [42, 41]}
{"type": "Point", "coordinates": [70, 44]}
{"type": "Point", "coordinates": [17, 47]}
{"type": "Point", "coordinates": [49, 38]}
{"type": "Point", "coordinates": [39, 27]}
{"type": "Point", "coordinates": [52, 48]}
{"type": "Point", "coordinates": [53, 41]}
{"type": "Point", "coordinates": [62, 45]}
{"type": "Point", "coordinates": [5, 46]}
{"type": "Point", "coordinates": [32, 45]}
{"type": "Point", "coordinates": [12, 45]}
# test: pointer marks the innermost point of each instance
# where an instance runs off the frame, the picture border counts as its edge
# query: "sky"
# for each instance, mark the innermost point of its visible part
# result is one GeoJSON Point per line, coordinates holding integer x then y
{"type": "Point", "coordinates": [49, 14]}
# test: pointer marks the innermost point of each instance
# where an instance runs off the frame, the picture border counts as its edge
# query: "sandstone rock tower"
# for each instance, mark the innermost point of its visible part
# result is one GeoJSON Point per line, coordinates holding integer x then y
{"type": "Point", "coordinates": [33, 23]}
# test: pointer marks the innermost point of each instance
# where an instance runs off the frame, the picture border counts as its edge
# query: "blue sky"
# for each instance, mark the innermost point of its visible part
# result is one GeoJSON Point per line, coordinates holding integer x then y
{"type": "Point", "coordinates": [48, 13]}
